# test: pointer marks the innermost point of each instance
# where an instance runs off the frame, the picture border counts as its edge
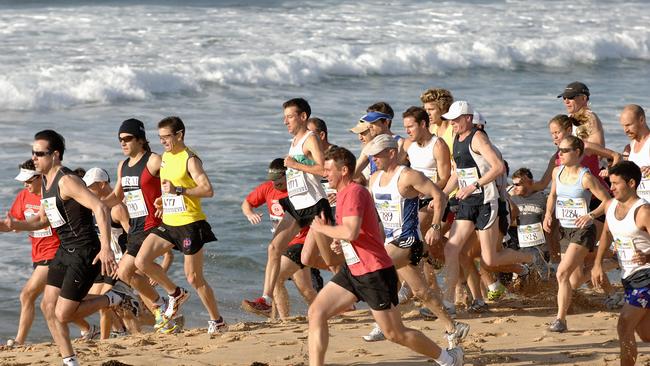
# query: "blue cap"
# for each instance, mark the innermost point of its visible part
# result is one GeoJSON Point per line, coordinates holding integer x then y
{"type": "Point", "coordinates": [372, 117]}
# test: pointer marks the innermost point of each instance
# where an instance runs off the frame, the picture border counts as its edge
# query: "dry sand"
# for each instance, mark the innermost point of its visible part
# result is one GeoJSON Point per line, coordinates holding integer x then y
{"type": "Point", "coordinates": [512, 333]}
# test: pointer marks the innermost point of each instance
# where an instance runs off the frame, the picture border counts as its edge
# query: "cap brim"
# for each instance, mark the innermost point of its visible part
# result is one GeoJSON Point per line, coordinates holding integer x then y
{"type": "Point", "coordinates": [449, 116]}
{"type": "Point", "coordinates": [360, 128]}
{"type": "Point", "coordinates": [25, 175]}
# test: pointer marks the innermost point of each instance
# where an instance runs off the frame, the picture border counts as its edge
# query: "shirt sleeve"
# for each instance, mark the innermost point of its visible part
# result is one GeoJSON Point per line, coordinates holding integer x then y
{"type": "Point", "coordinates": [258, 196]}
{"type": "Point", "coordinates": [354, 203]}
{"type": "Point", "coordinates": [17, 207]}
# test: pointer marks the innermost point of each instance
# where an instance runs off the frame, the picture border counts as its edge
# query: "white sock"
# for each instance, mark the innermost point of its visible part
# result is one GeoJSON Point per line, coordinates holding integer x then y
{"type": "Point", "coordinates": [71, 361]}
{"type": "Point", "coordinates": [493, 286]}
{"type": "Point", "coordinates": [444, 358]}
{"type": "Point", "coordinates": [269, 300]}
{"type": "Point", "coordinates": [113, 298]}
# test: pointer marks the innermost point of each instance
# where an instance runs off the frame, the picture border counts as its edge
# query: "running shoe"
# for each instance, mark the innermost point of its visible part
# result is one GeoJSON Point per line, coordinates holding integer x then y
{"type": "Point", "coordinates": [258, 306]}
{"type": "Point", "coordinates": [159, 316]}
{"type": "Point", "coordinates": [478, 307]}
{"type": "Point", "coordinates": [496, 294]}
{"type": "Point", "coordinates": [118, 334]}
{"type": "Point", "coordinates": [457, 355]}
{"type": "Point", "coordinates": [404, 294]}
{"type": "Point", "coordinates": [217, 326]}
{"type": "Point", "coordinates": [375, 334]}
{"type": "Point", "coordinates": [90, 334]}
{"type": "Point", "coordinates": [175, 302]}
{"type": "Point", "coordinates": [558, 326]}
{"type": "Point", "coordinates": [458, 334]}
{"type": "Point", "coordinates": [539, 262]}
{"type": "Point", "coordinates": [11, 342]}
{"type": "Point", "coordinates": [427, 314]}
{"type": "Point", "coordinates": [169, 327]}
{"type": "Point", "coordinates": [130, 302]}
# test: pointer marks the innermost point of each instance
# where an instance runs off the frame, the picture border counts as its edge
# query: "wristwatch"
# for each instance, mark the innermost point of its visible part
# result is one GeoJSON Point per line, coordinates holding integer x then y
{"type": "Point", "coordinates": [436, 227]}
{"type": "Point", "coordinates": [477, 185]}
{"type": "Point", "coordinates": [179, 191]}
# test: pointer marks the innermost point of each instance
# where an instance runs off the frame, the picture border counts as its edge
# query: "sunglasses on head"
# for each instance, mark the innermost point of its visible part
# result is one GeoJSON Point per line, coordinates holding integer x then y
{"type": "Point", "coordinates": [126, 138]}
{"type": "Point", "coordinates": [565, 150]}
{"type": "Point", "coordinates": [40, 154]}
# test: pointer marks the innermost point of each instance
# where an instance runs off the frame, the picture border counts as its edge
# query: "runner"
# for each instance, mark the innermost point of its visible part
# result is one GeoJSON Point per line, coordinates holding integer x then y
{"type": "Point", "coordinates": [270, 193]}
{"type": "Point", "coordinates": [307, 199]}
{"type": "Point", "coordinates": [532, 206]}
{"type": "Point", "coordinates": [570, 194]}
{"type": "Point", "coordinates": [184, 227]}
{"type": "Point", "coordinates": [45, 242]}
{"type": "Point", "coordinates": [395, 190]}
{"type": "Point", "coordinates": [368, 274]}
{"type": "Point", "coordinates": [627, 224]}
{"type": "Point", "coordinates": [634, 125]}
{"type": "Point", "coordinates": [477, 168]}
{"type": "Point", "coordinates": [68, 206]}
{"type": "Point", "coordinates": [437, 102]}
{"type": "Point", "coordinates": [138, 186]}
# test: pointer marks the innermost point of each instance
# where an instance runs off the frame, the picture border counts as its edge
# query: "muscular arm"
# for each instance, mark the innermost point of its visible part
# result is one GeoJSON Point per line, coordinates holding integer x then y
{"type": "Point", "coordinates": [252, 216]}
{"type": "Point", "coordinates": [312, 149]}
{"type": "Point", "coordinates": [591, 183]}
{"type": "Point", "coordinates": [597, 135]}
{"type": "Point", "coordinates": [32, 224]}
{"type": "Point", "coordinates": [443, 162]}
{"type": "Point", "coordinates": [482, 145]}
{"type": "Point", "coordinates": [595, 149]}
{"type": "Point", "coordinates": [348, 230]}
{"type": "Point", "coordinates": [120, 214]}
{"type": "Point", "coordinates": [426, 187]}
{"type": "Point", "coordinates": [203, 186]}
{"type": "Point", "coordinates": [117, 196]}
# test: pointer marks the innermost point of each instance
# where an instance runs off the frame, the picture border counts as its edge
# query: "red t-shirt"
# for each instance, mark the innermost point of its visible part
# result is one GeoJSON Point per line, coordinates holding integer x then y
{"type": "Point", "coordinates": [266, 193]}
{"type": "Point", "coordinates": [355, 200]}
{"type": "Point", "coordinates": [45, 242]}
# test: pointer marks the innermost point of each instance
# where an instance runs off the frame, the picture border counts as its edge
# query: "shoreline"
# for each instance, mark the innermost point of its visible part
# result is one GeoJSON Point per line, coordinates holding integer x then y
{"type": "Point", "coordinates": [513, 333]}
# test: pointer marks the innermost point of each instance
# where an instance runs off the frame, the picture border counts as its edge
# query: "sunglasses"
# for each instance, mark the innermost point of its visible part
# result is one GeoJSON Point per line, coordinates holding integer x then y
{"type": "Point", "coordinates": [32, 179]}
{"type": "Point", "coordinates": [516, 184]}
{"type": "Point", "coordinates": [565, 150]}
{"type": "Point", "coordinates": [40, 154]}
{"type": "Point", "coordinates": [571, 98]}
{"type": "Point", "coordinates": [126, 138]}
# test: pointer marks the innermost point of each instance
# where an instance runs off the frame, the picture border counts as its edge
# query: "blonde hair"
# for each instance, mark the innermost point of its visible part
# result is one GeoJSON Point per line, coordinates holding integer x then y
{"type": "Point", "coordinates": [583, 129]}
{"type": "Point", "coordinates": [441, 97]}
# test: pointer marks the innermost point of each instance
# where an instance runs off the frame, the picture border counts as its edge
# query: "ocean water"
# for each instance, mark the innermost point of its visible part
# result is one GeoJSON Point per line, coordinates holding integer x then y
{"type": "Point", "coordinates": [226, 67]}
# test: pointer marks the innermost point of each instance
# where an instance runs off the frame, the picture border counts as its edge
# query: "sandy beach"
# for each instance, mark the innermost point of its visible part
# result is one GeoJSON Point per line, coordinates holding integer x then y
{"type": "Point", "coordinates": [512, 333]}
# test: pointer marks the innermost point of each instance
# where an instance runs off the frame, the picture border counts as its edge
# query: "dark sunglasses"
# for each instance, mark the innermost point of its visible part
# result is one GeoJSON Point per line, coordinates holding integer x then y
{"type": "Point", "coordinates": [571, 98]}
{"type": "Point", "coordinates": [518, 184]}
{"type": "Point", "coordinates": [40, 154]}
{"type": "Point", "coordinates": [565, 150]}
{"type": "Point", "coordinates": [126, 138]}
{"type": "Point", "coordinates": [32, 179]}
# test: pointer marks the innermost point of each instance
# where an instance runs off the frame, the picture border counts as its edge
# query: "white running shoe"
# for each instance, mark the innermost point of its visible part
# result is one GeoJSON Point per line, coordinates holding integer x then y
{"type": "Point", "coordinates": [460, 332]}
{"type": "Point", "coordinates": [375, 335]}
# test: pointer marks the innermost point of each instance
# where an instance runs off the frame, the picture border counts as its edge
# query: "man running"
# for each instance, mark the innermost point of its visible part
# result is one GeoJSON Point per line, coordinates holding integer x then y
{"type": "Point", "coordinates": [627, 223]}
{"type": "Point", "coordinates": [368, 273]}
{"type": "Point", "coordinates": [307, 199]}
{"type": "Point", "coordinates": [635, 127]}
{"type": "Point", "coordinates": [184, 227]}
{"type": "Point", "coordinates": [68, 206]}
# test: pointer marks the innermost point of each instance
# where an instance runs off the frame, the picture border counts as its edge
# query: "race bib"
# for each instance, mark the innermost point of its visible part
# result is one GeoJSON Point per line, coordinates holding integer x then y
{"type": "Point", "coordinates": [173, 204]}
{"type": "Point", "coordinates": [624, 248]}
{"type": "Point", "coordinates": [52, 212]}
{"type": "Point", "coordinates": [349, 253]}
{"type": "Point", "coordinates": [296, 183]}
{"type": "Point", "coordinates": [134, 201]}
{"type": "Point", "coordinates": [467, 177]}
{"type": "Point", "coordinates": [644, 189]}
{"type": "Point", "coordinates": [43, 233]}
{"type": "Point", "coordinates": [530, 235]}
{"type": "Point", "coordinates": [569, 209]}
{"type": "Point", "coordinates": [390, 214]}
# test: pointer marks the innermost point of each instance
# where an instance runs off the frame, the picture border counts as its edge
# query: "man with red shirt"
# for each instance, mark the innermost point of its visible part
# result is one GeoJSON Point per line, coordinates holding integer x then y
{"type": "Point", "coordinates": [368, 273]}
{"type": "Point", "coordinates": [45, 242]}
{"type": "Point", "coordinates": [271, 193]}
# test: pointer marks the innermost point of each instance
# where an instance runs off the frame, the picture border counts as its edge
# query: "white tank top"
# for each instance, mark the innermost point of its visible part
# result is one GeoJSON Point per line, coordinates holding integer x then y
{"type": "Point", "coordinates": [304, 188]}
{"type": "Point", "coordinates": [628, 238]}
{"type": "Point", "coordinates": [423, 160]}
{"type": "Point", "coordinates": [642, 158]}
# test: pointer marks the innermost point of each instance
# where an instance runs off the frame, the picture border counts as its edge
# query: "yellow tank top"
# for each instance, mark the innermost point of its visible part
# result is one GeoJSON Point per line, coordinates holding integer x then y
{"type": "Point", "coordinates": [448, 138]}
{"type": "Point", "coordinates": [179, 210]}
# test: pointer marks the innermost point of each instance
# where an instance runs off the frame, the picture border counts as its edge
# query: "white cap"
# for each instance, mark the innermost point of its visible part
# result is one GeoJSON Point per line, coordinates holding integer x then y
{"type": "Point", "coordinates": [478, 119]}
{"type": "Point", "coordinates": [380, 143]}
{"type": "Point", "coordinates": [25, 175]}
{"type": "Point", "coordinates": [94, 175]}
{"type": "Point", "coordinates": [457, 109]}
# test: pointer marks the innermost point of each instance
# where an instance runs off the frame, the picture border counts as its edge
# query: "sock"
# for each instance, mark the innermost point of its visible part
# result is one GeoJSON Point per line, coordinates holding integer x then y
{"type": "Point", "coordinates": [218, 321]}
{"type": "Point", "coordinates": [113, 298]}
{"type": "Point", "coordinates": [176, 292]}
{"type": "Point", "coordinates": [71, 361]}
{"type": "Point", "coordinates": [493, 286]}
{"type": "Point", "coordinates": [269, 300]}
{"type": "Point", "coordinates": [444, 358]}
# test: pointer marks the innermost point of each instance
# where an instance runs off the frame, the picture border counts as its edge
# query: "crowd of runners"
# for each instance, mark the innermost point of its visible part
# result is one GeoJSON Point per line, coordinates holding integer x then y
{"type": "Point", "coordinates": [438, 200]}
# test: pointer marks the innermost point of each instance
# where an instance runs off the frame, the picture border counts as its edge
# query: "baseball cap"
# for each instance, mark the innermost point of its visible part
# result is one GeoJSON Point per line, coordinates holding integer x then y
{"type": "Point", "coordinates": [361, 127]}
{"type": "Point", "coordinates": [457, 109]}
{"type": "Point", "coordinates": [574, 89]}
{"type": "Point", "coordinates": [26, 174]}
{"type": "Point", "coordinates": [380, 143]}
{"type": "Point", "coordinates": [478, 119]}
{"type": "Point", "coordinates": [94, 175]}
{"type": "Point", "coordinates": [133, 127]}
{"type": "Point", "coordinates": [372, 117]}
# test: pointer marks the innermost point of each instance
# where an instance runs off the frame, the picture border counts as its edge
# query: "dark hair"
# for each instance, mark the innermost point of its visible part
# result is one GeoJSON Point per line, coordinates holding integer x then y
{"type": "Point", "coordinates": [576, 143]}
{"type": "Point", "coordinates": [80, 172]}
{"type": "Point", "coordinates": [522, 172]}
{"type": "Point", "coordinates": [627, 170]}
{"type": "Point", "coordinates": [342, 157]}
{"type": "Point", "coordinates": [55, 142]}
{"type": "Point", "coordinates": [28, 164]}
{"type": "Point", "coordinates": [418, 113]}
{"type": "Point", "coordinates": [277, 164]}
{"type": "Point", "coordinates": [301, 104]}
{"type": "Point", "coordinates": [321, 126]}
{"type": "Point", "coordinates": [174, 123]}
{"type": "Point", "coordinates": [506, 165]}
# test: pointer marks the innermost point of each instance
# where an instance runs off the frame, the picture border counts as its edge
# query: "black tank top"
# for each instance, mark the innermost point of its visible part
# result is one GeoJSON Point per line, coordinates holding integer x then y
{"type": "Point", "coordinates": [464, 160]}
{"type": "Point", "coordinates": [72, 221]}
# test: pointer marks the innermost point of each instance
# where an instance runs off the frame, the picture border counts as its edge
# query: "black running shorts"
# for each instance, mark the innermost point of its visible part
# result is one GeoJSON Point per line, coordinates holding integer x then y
{"type": "Point", "coordinates": [378, 289]}
{"type": "Point", "coordinates": [73, 272]}
{"type": "Point", "coordinates": [305, 216]}
{"type": "Point", "coordinates": [188, 239]}
{"type": "Point", "coordinates": [483, 216]}
{"type": "Point", "coordinates": [293, 252]}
